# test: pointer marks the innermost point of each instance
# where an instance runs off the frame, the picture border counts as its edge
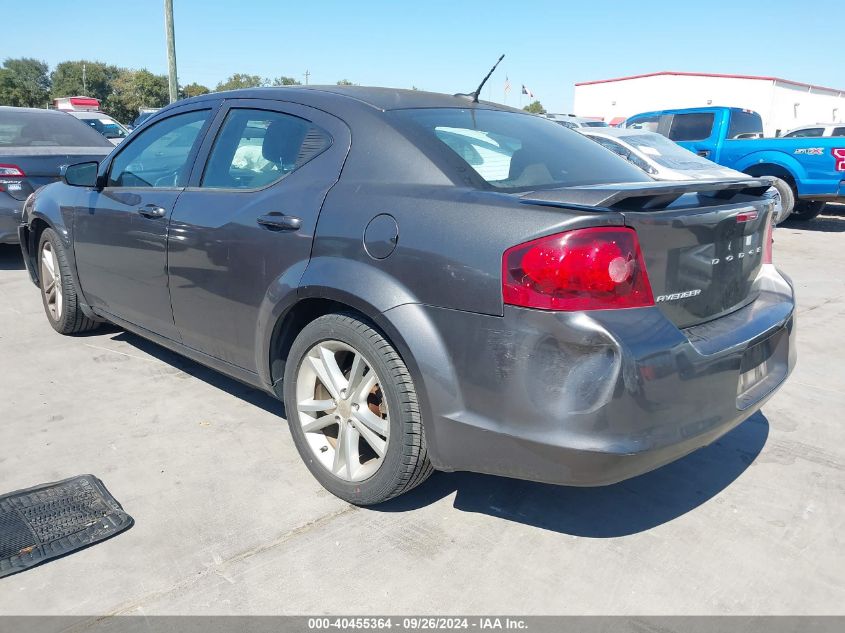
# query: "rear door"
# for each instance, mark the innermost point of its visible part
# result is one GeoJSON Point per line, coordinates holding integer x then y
{"type": "Point", "coordinates": [120, 234]}
{"type": "Point", "coordinates": [248, 219]}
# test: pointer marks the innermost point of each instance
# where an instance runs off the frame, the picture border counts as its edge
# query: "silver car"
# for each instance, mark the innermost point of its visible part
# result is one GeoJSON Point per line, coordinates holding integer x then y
{"type": "Point", "coordinates": [663, 159]}
{"type": "Point", "coordinates": [819, 129]}
{"type": "Point", "coordinates": [103, 124]}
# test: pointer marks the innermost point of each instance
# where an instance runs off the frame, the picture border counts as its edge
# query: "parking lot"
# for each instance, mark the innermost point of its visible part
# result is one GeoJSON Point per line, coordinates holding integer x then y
{"type": "Point", "coordinates": [229, 521]}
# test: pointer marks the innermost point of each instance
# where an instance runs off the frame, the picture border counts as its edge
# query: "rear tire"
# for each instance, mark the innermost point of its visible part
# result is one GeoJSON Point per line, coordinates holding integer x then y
{"type": "Point", "coordinates": [322, 417]}
{"type": "Point", "coordinates": [807, 209]}
{"type": "Point", "coordinates": [58, 291]}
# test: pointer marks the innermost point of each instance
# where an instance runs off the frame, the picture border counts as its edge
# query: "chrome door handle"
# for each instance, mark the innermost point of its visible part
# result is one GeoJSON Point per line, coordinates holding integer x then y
{"type": "Point", "coordinates": [279, 222]}
{"type": "Point", "coordinates": [152, 211]}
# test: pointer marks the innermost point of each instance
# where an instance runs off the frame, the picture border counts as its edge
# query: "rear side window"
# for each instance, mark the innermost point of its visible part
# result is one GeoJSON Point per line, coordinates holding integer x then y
{"type": "Point", "coordinates": [695, 126]}
{"type": "Point", "coordinates": [807, 132]}
{"type": "Point", "coordinates": [745, 125]}
{"type": "Point", "coordinates": [838, 131]}
{"type": "Point", "coordinates": [158, 156]}
{"type": "Point", "coordinates": [511, 151]}
{"type": "Point", "coordinates": [256, 148]}
{"type": "Point", "coordinates": [24, 128]}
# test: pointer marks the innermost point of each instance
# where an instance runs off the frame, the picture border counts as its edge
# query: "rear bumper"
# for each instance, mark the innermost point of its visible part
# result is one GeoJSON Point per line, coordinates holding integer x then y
{"type": "Point", "coordinates": [10, 218]}
{"type": "Point", "coordinates": [593, 398]}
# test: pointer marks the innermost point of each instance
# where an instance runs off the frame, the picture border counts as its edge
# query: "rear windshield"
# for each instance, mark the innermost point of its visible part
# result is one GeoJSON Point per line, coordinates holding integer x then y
{"type": "Point", "coordinates": [107, 127]}
{"type": "Point", "coordinates": [514, 152]}
{"type": "Point", "coordinates": [667, 153]}
{"type": "Point", "coordinates": [25, 128]}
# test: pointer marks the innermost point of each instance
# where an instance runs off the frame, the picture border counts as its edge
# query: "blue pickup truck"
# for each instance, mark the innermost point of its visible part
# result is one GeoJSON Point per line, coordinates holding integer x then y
{"type": "Point", "coordinates": [810, 171]}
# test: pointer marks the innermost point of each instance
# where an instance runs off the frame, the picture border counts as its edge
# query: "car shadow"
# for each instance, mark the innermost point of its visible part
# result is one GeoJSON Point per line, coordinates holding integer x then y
{"type": "Point", "coordinates": [830, 220]}
{"type": "Point", "coordinates": [11, 257]}
{"type": "Point", "coordinates": [621, 509]}
{"type": "Point", "coordinates": [214, 378]}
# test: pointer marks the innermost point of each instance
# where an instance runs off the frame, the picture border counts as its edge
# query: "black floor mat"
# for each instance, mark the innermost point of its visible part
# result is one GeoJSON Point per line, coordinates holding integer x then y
{"type": "Point", "coordinates": [52, 520]}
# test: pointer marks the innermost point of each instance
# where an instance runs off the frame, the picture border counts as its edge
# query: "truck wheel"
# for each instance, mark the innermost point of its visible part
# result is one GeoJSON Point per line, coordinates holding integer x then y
{"type": "Point", "coordinates": [807, 209]}
{"type": "Point", "coordinates": [787, 197]}
{"type": "Point", "coordinates": [58, 292]}
{"type": "Point", "coordinates": [353, 411]}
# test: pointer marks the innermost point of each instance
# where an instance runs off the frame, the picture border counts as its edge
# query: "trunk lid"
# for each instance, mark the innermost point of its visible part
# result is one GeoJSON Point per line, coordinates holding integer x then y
{"type": "Point", "coordinates": [42, 165]}
{"type": "Point", "coordinates": [703, 242]}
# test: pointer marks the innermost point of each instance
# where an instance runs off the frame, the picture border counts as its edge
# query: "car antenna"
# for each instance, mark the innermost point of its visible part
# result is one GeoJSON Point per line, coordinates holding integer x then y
{"type": "Point", "coordinates": [477, 92]}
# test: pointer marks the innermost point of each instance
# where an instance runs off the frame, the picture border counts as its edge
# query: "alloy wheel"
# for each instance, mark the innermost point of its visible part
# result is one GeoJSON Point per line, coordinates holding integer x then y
{"type": "Point", "coordinates": [342, 410]}
{"type": "Point", "coordinates": [51, 281]}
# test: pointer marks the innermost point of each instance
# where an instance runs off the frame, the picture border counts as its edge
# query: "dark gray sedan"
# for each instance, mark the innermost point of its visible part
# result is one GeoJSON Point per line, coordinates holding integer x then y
{"type": "Point", "coordinates": [427, 282]}
{"type": "Point", "coordinates": [34, 145]}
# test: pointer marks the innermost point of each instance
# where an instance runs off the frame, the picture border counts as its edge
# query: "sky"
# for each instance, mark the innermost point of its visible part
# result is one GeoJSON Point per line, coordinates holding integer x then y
{"type": "Point", "coordinates": [443, 46]}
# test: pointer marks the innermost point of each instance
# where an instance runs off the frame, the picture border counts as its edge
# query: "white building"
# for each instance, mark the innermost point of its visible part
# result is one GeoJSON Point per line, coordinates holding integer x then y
{"type": "Point", "coordinates": [782, 104]}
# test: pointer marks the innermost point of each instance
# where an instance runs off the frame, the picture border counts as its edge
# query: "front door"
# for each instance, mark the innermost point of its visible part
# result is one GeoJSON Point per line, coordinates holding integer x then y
{"type": "Point", "coordinates": [120, 235]}
{"type": "Point", "coordinates": [247, 220]}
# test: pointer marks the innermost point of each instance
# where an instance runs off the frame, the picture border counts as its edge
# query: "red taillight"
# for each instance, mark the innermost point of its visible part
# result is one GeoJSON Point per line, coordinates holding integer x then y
{"type": "Point", "coordinates": [839, 154]}
{"type": "Point", "coordinates": [9, 174]}
{"type": "Point", "coordinates": [10, 171]}
{"type": "Point", "coordinates": [767, 246]}
{"type": "Point", "coordinates": [586, 269]}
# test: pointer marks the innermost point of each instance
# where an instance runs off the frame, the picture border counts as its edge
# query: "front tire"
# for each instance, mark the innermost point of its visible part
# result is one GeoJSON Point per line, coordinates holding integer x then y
{"type": "Point", "coordinates": [58, 292]}
{"type": "Point", "coordinates": [787, 198]}
{"type": "Point", "coordinates": [807, 209]}
{"type": "Point", "coordinates": [353, 411]}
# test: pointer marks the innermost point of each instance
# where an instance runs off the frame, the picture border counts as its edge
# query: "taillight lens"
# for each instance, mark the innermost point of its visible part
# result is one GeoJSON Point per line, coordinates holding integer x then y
{"type": "Point", "coordinates": [586, 269]}
{"type": "Point", "coordinates": [839, 154]}
{"type": "Point", "coordinates": [9, 175]}
{"type": "Point", "coordinates": [767, 246]}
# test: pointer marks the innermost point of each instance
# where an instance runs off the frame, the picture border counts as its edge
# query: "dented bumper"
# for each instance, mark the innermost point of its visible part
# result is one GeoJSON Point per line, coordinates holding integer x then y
{"type": "Point", "coordinates": [592, 398]}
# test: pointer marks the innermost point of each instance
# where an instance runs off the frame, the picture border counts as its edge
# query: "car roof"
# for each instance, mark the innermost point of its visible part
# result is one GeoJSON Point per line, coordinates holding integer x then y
{"type": "Point", "coordinates": [374, 97]}
{"type": "Point", "coordinates": [32, 110]}
{"type": "Point", "coordinates": [616, 131]}
{"type": "Point", "coordinates": [89, 114]}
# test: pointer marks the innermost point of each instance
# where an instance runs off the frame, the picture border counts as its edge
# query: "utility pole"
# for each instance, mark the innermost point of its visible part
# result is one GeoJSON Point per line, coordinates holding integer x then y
{"type": "Point", "coordinates": [84, 83]}
{"type": "Point", "coordinates": [307, 75]}
{"type": "Point", "coordinates": [171, 50]}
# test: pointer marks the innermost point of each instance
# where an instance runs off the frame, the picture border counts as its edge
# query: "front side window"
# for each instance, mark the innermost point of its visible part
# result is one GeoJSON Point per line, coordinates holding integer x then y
{"type": "Point", "coordinates": [255, 148]}
{"type": "Point", "coordinates": [806, 132]}
{"type": "Point", "coordinates": [648, 123]}
{"type": "Point", "coordinates": [695, 126]}
{"type": "Point", "coordinates": [107, 126]}
{"type": "Point", "coordinates": [511, 151]}
{"type": "Point", "coordinates": [745, 125]}
{"type": "Point", "coordinates": [838, 131]}
{"type": "Point", "coordinates": [158, 156]}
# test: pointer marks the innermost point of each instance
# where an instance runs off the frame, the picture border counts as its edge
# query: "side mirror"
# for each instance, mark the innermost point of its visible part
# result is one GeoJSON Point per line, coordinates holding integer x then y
{"type": "Point", "coordinates": [81, 174]}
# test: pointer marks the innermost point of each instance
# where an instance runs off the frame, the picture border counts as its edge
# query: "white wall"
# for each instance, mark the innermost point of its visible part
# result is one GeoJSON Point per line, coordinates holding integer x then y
{"type": "Point", "coordinates": [773, 100]}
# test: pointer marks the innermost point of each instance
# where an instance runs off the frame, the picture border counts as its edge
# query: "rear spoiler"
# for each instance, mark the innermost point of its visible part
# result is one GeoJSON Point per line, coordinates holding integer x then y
{"type": "Point", "coordinates": [642, 195]}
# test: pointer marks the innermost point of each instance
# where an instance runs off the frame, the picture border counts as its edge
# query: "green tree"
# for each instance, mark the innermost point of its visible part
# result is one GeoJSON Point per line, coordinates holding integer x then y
{"type": "Point", "coordinates": [283, 81]}
{"type": "Point", "coordinates": [240, 80]}
{"type": "Point", "coordinates": [535, 108]}
{"type": "Point", "coordinates": [193, 90]}
{"type": "Point", "coordinates": [135, 89]}
{"type": "Point", "coordinates": [99, 78]}
{"type": "Point", "coordinates": [24, 82]}
{"type": "Point", "coordinates": [345, 82]}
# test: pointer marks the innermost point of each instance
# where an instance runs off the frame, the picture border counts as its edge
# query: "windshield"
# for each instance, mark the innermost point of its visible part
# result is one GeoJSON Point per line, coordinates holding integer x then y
{"type": "Point", "coordinates": [27, 128]}
{"type": "Point", "coordinates": [595, 124]}
{"type": "Point", "coordinates": [512, 151]}
{"type": "Point", "coordinates": [666, 153]}
{"type": "Point", "coordinates": [108, 127]}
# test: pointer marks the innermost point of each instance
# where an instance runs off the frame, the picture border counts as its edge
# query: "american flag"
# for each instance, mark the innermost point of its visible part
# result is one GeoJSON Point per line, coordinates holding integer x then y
{"type": "Point", "coordinates": [507, 85]}
{"type": "Point", "coordinates": [526, 91]}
